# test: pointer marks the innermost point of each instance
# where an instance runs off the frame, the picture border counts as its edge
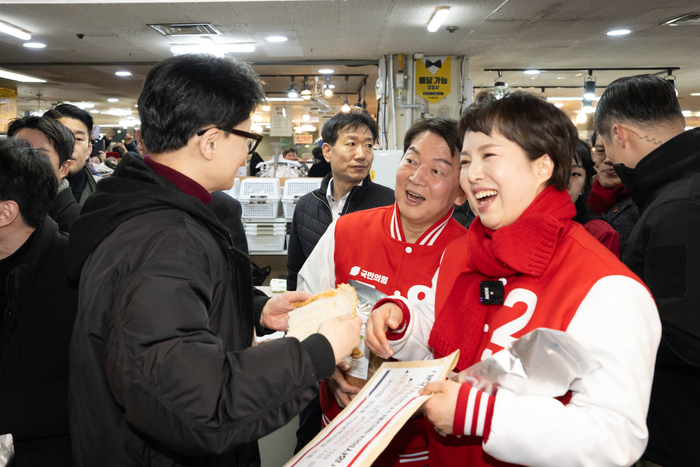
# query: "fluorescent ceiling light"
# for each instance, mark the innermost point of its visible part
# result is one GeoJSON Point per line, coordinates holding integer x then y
{"type": "Point", "coordinates": [695, 93]}
{"type": "Point", "coordinates": [7, 28]}
{"type": "Point", "coordinates": [326, 71]}
{"type": "Point", "coordinates": [126, 123]}
{"type": "Point", "coordinates": [569, 98]}
{"type": "Point", "coordinates": [19, 77]}
{"type": "Point", "coordinates": [266, 108]}
{"type": "Point", "coordinates": [581, 118]}
{"type": "Point", "coordinates": [687, 113]}
{"type": "Point", "coordinates": [112, 99]}
{"type": "Point", "coordinates": [82, 105]}
{"type": "Point", "coordinates": [439, 16]}
{"type": "Point", "coordinates": [123, 73]}
{"type": "Point", "coordinates": [558, 105]}
{"type": "Point", "coordinates": [531, 72]}
{"type": "Point", "coordinates": [207, 46]}
{"type": "Point", "coordinates": [283, 99]}
{"type": "Point", "coordinates": [276, 39]}
{"type": "Point", "coordinates": [619, 32]}
{"type": "Point", "coordinates": [34, 45]}
{"type": "Point", "coordinates": [94, 111]}
{"type": "Point", "coordinates": [118, 112]}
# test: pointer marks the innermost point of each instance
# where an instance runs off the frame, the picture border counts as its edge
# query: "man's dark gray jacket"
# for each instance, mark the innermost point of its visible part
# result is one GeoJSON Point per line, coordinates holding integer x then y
{"type": "Point", "coordinates": [312, 216]}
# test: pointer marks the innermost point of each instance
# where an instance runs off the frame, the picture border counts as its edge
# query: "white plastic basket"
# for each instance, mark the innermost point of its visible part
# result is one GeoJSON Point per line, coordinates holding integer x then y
{"type": "Point", "coordinates": [259, 197]}
{"type": "Point", "coordinates": [235, 191]}
{"type": "Point", "coordinates": [265, 237]}
{"type": "Point", "coordinates": [295, 189]}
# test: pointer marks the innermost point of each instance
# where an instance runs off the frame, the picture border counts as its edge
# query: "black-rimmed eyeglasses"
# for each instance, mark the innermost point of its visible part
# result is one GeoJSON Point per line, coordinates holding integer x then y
{"type": "Point", "coordinates": [252, 139]}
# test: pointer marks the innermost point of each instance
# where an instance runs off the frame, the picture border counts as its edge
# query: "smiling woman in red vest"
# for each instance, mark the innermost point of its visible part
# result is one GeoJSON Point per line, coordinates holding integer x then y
{"type": "Point", "coordinates": [515, 166]}
{"type": "Point", "coordinates": [395, 249]}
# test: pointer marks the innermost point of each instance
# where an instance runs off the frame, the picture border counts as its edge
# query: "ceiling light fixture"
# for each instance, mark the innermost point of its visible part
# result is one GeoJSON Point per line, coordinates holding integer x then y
{"type": "Point", "coordinates": [438, 17]}
{"type": "Point", "coordinates": [112, 99]}
{"type": "Point", "coordinates": [558, 105]}
{"type": "Point", "coordinates": [276, 39]}
{"type": "Point", "coordinates": [618, 32]}
{"type": "Point", "coordinates": [266, 107]}
{"type": "Point", "coordinates": [587, 106]}
{"type": "Point", "coordinates": [687, 113]}
{"type": "Point", "coordinates": [532, 72]}
{"type": "Point", "coordinates": [672, 81]}
{"type": "Point", "coordinates": [285, 99]}
{"type": "Point", "coordinates": [589, 86]}
{"type": "Point", "coordinates": [13, 30]}
{"type": "Point", "coordinates": [292, 91]}
{"type": "Point", "coordinates": [328, 88]}
{"type": "Point", "coordinates": [94, 111]}
{"type": "Point", "coordinates": [34, 45]}
{"type": "Point", "coordinates": [306, 117]}
{"type": "Point", "coordinates": [346, 104]}
{"type": "Point", "coordinates": [500, 82]}
{"type": "Point", "coordinates": [695, 93]}
{"type": "Point", "coordinates": [326, 71]}
{"type": "Point", "coordinates": [207, 46]}
{"type": "Point", "coordinates": [306, 94]}
{"type": "Point", "coordinates": [581, 118]}
{"type": "Point", "coordinates": [123, 73]}
{"type": "Point", "coordinates": [19, 77]}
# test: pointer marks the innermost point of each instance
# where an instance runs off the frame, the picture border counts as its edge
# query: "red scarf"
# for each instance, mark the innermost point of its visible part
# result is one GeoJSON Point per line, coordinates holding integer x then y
{"type": "Point", "coordinates": [601, 199]}
{"type": "Point", "coordinates": [524, 247]}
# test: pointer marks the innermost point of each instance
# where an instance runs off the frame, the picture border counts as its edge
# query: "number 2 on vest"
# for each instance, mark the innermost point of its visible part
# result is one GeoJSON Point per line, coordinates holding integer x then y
{"type": "Point", "coordinates": [503, 336]}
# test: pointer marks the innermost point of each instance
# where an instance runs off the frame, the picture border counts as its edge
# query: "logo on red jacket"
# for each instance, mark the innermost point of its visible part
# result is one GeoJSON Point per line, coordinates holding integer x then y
{"type": "Point", "coordinates": [368, 275]}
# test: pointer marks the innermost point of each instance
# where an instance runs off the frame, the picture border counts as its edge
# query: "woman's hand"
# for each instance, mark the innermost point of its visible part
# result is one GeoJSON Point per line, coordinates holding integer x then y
{"type": "Point", "coordinates": [387, 316]}
{"type": "Point", "coordinates": [440, 409]}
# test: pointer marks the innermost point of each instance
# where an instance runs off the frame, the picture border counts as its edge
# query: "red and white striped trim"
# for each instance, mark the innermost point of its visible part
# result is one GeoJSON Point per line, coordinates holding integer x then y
{"type": "Point", "coordinates": [473, 412]}
{"type": "Point", "coordinates": [435, 233]}
{"type": "Point", "coordinates": [395, 226]}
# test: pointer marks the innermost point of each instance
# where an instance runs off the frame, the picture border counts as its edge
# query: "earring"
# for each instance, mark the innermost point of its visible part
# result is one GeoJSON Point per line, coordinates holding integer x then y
{"type": "Point", "coordinates": [581, 194]}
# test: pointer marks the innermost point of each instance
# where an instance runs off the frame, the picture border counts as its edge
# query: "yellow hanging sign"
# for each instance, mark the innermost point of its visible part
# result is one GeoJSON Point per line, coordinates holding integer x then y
{"type": "Point", "coordinates": [433, 75]}
{"type": "Point", "coordinates": [8, 107]}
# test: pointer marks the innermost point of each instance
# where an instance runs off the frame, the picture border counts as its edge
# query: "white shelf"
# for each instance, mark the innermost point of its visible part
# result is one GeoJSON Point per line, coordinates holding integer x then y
{"type": "Point", "coordinates": [261, 220]}
{"type": "Point", "coordinates": [269, 253]}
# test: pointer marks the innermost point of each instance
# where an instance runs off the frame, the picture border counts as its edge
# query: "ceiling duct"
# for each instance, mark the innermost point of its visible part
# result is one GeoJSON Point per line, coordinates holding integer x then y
{"type": "Point", "coordinates": [186, 29]}
{"type": "Point", "coordinates": [690, 19]}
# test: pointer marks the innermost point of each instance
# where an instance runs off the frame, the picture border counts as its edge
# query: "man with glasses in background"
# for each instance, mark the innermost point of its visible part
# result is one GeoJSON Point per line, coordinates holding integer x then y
{"type": "Point", "coordinates": [163, 370]}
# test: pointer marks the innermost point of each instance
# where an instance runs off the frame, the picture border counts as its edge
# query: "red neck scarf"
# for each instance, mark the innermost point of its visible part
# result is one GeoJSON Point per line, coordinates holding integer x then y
{"type": "Point", "coordinates": [601, 199]}
{"type": "Point", "coordinates": [524, 247]}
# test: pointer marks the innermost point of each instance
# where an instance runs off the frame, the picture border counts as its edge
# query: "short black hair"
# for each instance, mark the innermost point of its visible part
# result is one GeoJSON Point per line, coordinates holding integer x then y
{"type": "Point", "coordinates": [532, 123]}
{"type": "Point", "coordinates": [72, 111]}
{"type": "Point", "coordinates": [582, 156]}
{"type": "Point", "coordinates": [446, 128]}
{"type": "Point", "coordinates": [647, 101]}
{"type": "Point", "coordinates": [348, 121]}
{"type": "Point", "coordinates": [27, 178]}
{"type": "Point", "coordinates": [60, 137]}
{"type": "Point", "coordinates": [184, 94]}
{"type": "Point", "coordinates": [290, 150]}
{"type": "Point", "coordinates": [318, 153]}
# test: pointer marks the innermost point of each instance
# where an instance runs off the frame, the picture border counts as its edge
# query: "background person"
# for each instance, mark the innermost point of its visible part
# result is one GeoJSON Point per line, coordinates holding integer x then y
{"type": "Point", "coordinates": [516, 162]}
{"type": "Point", "coordinates": [79, 122]}
{"type": "Point", "coordinates": [321, 166]}
{"type": "Point", "coordinates": [582, 172]}
{"type": "Point", "coordinates": [162, 362]}
{"type": "Point", "coordinates": [57, 142]}
{"type": "Point", "coordinates": [402, 248]}
{"type": "Point", "coordinates": [38, 310]}
{"type": "Point", "coordinates": [639, 121]}
{"type": "Point", "coordinates": [609, 198]}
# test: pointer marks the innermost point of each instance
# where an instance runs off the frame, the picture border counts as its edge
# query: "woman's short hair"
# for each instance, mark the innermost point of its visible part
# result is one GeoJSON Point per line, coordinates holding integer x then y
{"type": "Point", "coordinates": [446, 128]}
{"type": "Point", "coordinates": [532, 123]}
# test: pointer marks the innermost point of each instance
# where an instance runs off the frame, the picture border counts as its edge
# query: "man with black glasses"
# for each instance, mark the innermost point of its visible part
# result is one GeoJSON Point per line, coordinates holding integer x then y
{"type": "Point", "coordinates": [163, 370]}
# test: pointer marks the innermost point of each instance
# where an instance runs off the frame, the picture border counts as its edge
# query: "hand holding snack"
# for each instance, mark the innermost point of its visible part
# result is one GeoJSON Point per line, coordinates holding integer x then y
{"type": "Point", "coordinates": [387, 316]}
{"type": "Point", "coordinates": [343, 333]}
{"type": "Point", "coordinates": [275, 313]}
{"type": "Point", "coordinates": [341, 389]}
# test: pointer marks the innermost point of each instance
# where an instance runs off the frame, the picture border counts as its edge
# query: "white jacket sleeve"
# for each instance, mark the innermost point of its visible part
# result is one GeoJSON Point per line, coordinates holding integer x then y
{"type": "Point", "coordinates": [413, 345]}
{"type": "Point", "coordinates": [318, 273]}
{"type": "Point", "coordinates": [604, 424]}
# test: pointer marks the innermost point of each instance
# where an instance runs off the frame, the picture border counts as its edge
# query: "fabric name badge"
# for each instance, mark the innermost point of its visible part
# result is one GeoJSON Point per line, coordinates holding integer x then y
{"type": "Point", "coordinates": [491, 292]}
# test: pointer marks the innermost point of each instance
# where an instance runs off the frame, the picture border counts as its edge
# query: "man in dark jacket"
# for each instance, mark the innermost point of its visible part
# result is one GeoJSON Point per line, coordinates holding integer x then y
{"type": "Point", "coordinates": [38, 310]}
{"type": "Point", "coordinates": [347, 145]}
{"type": "Point", "coordinates": [79, 122]}
{"type": "Point", "coordinates": [163, 371]}
{"type": "Point", "coordinates": [348, 139]}
{"type": "Point", "coordinates": [642, 127]}
{"type": "Point", "coordinates": [57, 142]}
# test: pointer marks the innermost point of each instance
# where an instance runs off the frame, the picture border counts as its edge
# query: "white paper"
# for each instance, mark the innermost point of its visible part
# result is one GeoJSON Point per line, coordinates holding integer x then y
{"type": "Point", "coordinates": [374, 416]}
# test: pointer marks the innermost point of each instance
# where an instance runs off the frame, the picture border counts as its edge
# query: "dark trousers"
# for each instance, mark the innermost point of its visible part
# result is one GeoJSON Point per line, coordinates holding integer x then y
{"type": "Point", "coordinates": [309, 424]}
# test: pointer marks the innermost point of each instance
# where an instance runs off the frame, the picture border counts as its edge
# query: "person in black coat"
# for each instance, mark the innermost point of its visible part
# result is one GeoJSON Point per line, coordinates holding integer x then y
{"type": "Point", "coordinates": [321, 167]}
{"type": "Point", "coordinates": [39, 308]}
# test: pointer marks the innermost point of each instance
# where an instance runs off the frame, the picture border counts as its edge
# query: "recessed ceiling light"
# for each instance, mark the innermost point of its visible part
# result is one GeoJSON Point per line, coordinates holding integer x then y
{"type": "Point", "coordinates": [618, 32]}
{"type": "Point", "coordinates": [695, 93]}
{"type": "Point", "coordinates": [34, 45]}
{"type": "Point", "coordinates": [112, 99]}
{"type": "Point", "coordinates": [13, 30]}
{"type": "Point", "coordinates": [558, 105]}
{"type": "Point", "coordinates": [123, 73]}
{"type": "Point", "coordinates": [325, 71]}
{"type": "Point", "coordinates": [19, 77]}
{"type": "Point", "coordinates": [94, 111]}
{"type": "Point", "coordinates": [532, 72]}
{"type": "Point", "coordinates": [687, 113]}
{"type": "Point", "coordinates": [276, 39]}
